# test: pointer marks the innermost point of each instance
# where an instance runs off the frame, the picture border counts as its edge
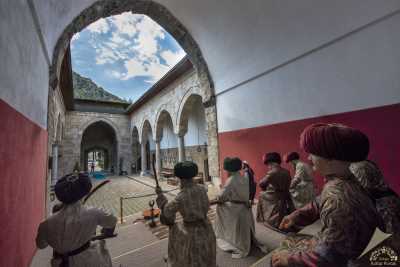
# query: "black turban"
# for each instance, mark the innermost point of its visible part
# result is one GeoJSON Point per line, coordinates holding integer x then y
{"type": "Point", "coordinates": [232, 164]}
{"type": "Point", "coordinates": [335, 141]}
{"type": "Point", "coordinates": [291, 156]}
{"type": "Point", "coordinates": [272, 157]}
{"type": "Point", "coordinates": [185, 169]}
{"type": "Point", "coordinates": [72, 187]}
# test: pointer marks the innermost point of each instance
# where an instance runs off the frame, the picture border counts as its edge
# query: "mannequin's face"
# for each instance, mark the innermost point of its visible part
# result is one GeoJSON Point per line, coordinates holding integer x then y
{"type": "Point", "coordinates": [329, 166]}
{"type": "Point", "coordinates": [320, 164]}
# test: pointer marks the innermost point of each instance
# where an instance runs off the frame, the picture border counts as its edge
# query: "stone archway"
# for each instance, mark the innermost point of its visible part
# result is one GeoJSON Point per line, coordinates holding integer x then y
{"type": "Point", "coordinates": [136, 157]}
{"type": "Point", "coordinates": [193, 103]}
{"type": "Point", "coordinates": [156, 11]}
{"type": "Point", "coordinates": [193, 128]}
{"type": "Point", "coordinates": [147, 147]}
{"type": "Point", "coordinates": [97, 135]}
{"type": "Point", "coordinates": [166, 141]}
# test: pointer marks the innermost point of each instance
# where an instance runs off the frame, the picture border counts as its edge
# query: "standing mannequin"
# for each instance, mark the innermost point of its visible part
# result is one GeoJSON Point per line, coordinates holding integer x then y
{"type": "Point", "coordinates": [70, 230]}
{"type": "Point", "coordinates": [191, 242]}
{"type": "Point", "coordinates": [234, 224]}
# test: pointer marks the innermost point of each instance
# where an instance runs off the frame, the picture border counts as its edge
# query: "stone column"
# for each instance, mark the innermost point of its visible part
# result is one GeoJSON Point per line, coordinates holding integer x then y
{"type": "Point", "coordinates": [181, 147]}
{"type": "Point", "coordinates": [212, 142]}
{"type": "Point", "coordinates": [54, 163]}
{"type": "Point", "coordinates": [144, 158]}
{"type": "Point", "coordinates": [158, 158]}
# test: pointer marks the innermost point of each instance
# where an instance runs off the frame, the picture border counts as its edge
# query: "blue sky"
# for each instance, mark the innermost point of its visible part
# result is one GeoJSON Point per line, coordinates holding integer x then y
{"type": "Point", "coordinates": [125, 54]}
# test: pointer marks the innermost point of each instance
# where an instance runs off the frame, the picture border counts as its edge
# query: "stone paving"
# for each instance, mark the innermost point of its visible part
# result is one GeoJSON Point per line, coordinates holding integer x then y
{"type": "Point", "coordinates": [108, 197]}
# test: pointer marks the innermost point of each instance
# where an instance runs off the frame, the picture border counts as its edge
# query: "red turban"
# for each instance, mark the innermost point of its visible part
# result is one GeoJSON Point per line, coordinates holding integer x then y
{"type": "Point", "coordinates": [291, 156]}
{"type": "Point", "coordinates": [335, 141]}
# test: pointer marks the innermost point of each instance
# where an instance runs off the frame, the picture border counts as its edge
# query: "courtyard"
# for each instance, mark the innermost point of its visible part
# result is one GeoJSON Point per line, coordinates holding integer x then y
{"type": "Point", "coordinates": [139, 190]}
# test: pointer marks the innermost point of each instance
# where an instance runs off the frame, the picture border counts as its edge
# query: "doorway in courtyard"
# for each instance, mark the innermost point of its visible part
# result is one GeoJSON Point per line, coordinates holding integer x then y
{"type": "Point", "coordinates": [99, 148]}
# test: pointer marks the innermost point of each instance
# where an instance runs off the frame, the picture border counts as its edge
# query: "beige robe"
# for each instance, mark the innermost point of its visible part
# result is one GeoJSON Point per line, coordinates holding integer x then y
{"type": "Point", "coordinates": [302, 187]}
{"type": "Point", "coordinates": [71, 228]}
{"type": "Point", "coordinates": [234, 222]}
{"type": "Point", "coordinates": [191, 242]}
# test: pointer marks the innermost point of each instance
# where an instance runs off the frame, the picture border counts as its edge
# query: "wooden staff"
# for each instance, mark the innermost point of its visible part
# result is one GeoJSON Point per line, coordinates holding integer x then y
{"type": "Point", "coordinates": [95, 189]}
{"type": "Point", "coordinates": [155, 174]}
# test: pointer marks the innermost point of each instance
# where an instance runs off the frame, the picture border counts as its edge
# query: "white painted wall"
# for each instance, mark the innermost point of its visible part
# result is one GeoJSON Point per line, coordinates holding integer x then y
{"type": "Point", "coordinates": [240, 40]}
{"type": "Point", "coordinates": [197, 131]}
{"type": "Point", "coordinates": [357, 72]}
{"type": "Point", "coordinates": [23, 67]}
{"type": "Point", "coordinates": [169, 138]}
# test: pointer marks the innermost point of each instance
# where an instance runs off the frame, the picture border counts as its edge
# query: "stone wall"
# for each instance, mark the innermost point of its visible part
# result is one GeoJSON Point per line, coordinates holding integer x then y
{"type": "Point", "coordinates": [172, 100]}
{"type": "Point", "coordinates": [77, 122]}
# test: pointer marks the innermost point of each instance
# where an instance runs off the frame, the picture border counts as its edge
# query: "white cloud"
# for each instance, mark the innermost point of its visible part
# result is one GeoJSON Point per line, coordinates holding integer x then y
{"type": "Point", "coordinates": [149, 33]}
{"type": "Point", "coordinates": [75, 37]}
{"type": "Point", "coordinates": [99, 26]}
{"type": "Point", "coordinates": [152, 69]}
{"type": "Point", "coordinates": [125, 23]}
{"type": "Point", "coordinates": [115, 74]}
{"type": "Point", "coordinates": [134, 44]}
{"type": "Point", "coordinates": [171, 58]}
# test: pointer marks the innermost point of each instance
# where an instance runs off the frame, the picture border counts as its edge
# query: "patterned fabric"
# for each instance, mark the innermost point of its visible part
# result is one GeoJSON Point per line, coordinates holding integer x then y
{"type": "Point", "coordinates": [72, 227]}
{"type": "Point", "coordinates": [192, 242]}
{"type": "Point", "coordinates": [275, 202]}
{"type": "Point", "coordinates": [348, 218]}
{"type": "Point", "coordinates": [387, 202]}
{"type": "Point", "coordinates": [234, 223]}
{"type": "Point", "coordinates": [302, 187]}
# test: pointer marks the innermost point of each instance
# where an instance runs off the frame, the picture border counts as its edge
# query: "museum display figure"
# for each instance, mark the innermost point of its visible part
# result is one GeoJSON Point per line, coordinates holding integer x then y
{"type": "Point", "coordinates": [274, 201]}
{"type": "Point", "coordinates": [71, 229]}
{"type": "Point", "coordinates": [234, 224]}
{"type": "Point", "coordinates": [348, 215]}
{"type": "Point", "coordinates": [302, 187]}
{"type": "Point", "coordinates": [191, 242]}
{"type": "Point", "coordinates": [387, 202]}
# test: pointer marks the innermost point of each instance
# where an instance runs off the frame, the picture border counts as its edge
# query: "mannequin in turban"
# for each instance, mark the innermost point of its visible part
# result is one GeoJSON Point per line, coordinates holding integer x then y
{"type": "Point", "coordinates": [192, 242]}
{"type": "Point", "coordinates": [348, 215]}
{"type": "Point", "coordinates": [234, 223]}
{"type": "Point", "coordinates": [387, 202]}
{"type": "Point", "coordinates": [70, 230]}
{"type": "Point", "coordinates": [274, 201]}
{"type": "Point", "coordinates": [302, 187]}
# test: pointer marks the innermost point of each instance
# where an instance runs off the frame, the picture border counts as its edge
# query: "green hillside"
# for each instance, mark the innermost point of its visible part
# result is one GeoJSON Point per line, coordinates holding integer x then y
{"type": "Point", "coordinates": [85, 88]}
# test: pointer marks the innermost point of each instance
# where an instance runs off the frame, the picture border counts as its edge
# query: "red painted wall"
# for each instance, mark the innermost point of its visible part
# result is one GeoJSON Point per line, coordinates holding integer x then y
{"type": "Point", "coordinates": [23, 147]}
{"type": "Point", "coordinates": [382, 125]}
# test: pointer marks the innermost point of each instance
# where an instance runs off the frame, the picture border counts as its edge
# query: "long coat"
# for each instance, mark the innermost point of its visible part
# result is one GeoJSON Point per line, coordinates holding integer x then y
{"type": "Point", "coordinates": [234, 222]}
{"type": "Point", "coordinates": [71, 228]}
{"type": "Point", "coordinates": [387, 201]}
{"type": "Point", "coordinates": [275, 201]}
{"type": "Point", "coordinates": [348, 219]}
{"type": "Point", "coordinates": [302, 187]}
{"type": "Point", "coordinates": [191, 242]}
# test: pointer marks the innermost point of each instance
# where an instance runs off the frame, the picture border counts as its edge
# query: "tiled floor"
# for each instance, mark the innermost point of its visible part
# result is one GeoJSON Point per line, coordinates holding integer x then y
{"type": "Point", "coordinates": [108, 197]}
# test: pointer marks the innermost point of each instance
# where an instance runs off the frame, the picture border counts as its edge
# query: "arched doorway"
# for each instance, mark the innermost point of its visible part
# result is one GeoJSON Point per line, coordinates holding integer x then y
{"type": "Point", "coordinates": [193, 128]}
{"type": "Point", "coordinates": [161, 15]}
{"type": "Point", "coordinates": [157, 12]}
{"type": "Point", "coordinates": [136, 159]}
{"type": "Point", "coordinates": [168, 140]}
{"type": "Point", "coordinates": [99, 148]}
{"type": "Point", "coordinates": [147, 148]}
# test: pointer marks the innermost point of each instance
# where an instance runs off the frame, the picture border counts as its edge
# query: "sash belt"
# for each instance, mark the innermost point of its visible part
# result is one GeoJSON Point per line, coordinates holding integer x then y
{"type": "Point", "coordinates": [65, 256]}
